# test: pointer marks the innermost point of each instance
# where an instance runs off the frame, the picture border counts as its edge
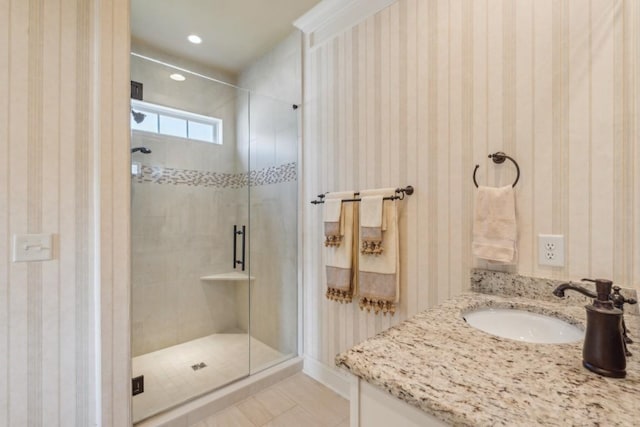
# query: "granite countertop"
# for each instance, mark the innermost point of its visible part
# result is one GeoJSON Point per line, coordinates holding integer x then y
{"type": "Point", "coordinates": [463, 376]}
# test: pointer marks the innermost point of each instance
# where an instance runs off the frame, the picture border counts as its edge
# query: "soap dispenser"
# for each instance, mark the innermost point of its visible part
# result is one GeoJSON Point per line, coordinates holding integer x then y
{"type": "Point", "coordinates": [603, 351]}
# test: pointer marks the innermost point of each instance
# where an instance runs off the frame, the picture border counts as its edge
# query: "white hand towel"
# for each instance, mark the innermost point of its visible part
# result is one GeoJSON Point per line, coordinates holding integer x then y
{"type": "Point", "coordinates": [379, 275]}
{"type": "Point", "coordinates": [494, 226]}
{"type": "Point", "coordinates": [371, 224]}
{"type": "Point", "coordinates": [371, 210]}
{"type": "Point", "coordinates": [333, 220]}
{"type": "Point", "coordinates": [332, 208]}
{"type": "Point", "coordinates": [340, 264]}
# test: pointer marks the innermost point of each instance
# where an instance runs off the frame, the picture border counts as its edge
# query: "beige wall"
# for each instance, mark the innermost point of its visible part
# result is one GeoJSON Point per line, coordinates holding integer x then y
{"type": "Point", "coordinates": [278, 73]}
{"type": "Point", "coordinates": [63, 153]}
{"type": "Point", "coordinates": [422, 91]}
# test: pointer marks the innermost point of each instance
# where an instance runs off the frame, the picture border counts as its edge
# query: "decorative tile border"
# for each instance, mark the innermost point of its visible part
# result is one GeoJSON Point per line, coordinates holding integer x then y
{"type": "Point", "coordinates": [287, 172]}
{"type": "Point", "coordinates": [170, 176]}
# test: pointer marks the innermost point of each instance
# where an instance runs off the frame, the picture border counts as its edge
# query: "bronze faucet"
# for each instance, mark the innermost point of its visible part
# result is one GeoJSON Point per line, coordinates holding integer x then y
{"type": "Point", "coordinates": [615, 297]}
{"type": "Point", "coordinates": [618, 302]}
{"type": "Point", "coordinates": [604, 349]}
{"type": "Point", "coordinates": [559, 291]}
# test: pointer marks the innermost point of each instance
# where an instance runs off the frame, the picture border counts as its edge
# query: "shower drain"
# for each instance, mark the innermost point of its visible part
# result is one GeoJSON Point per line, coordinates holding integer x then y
{"type": "Point", "coordinates": [198, 366]}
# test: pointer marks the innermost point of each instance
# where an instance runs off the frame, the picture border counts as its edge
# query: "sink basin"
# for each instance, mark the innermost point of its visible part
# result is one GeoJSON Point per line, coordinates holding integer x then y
{"type": "Point", "coordinates": [524, 326]}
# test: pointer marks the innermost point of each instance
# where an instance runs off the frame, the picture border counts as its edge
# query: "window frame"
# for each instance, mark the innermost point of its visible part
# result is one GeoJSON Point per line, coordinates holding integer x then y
{"type": "Point", "coordinates": [161, 110]}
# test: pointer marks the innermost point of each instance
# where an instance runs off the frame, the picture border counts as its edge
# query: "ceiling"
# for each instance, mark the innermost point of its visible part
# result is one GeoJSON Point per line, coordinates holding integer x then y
{"type": "Point", "coordinates": [234, 32]}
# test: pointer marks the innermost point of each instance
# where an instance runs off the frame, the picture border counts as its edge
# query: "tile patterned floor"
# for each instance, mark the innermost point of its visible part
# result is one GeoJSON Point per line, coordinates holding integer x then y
{"type": "Point", "coordinates": [297, 401]}
{"type": "Point", "coordinates": [169, 379]}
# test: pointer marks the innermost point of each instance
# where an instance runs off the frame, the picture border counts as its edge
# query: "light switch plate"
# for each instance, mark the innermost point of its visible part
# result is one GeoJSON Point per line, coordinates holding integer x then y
{"type": "Point", "coordinates": [32, 247]}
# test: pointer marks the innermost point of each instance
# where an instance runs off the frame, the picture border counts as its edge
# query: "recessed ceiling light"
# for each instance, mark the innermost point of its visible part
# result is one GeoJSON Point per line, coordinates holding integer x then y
{"type": "Point", "coordinates": [178, 77]}
{"type": "Point", "coordinates": [194, 39]}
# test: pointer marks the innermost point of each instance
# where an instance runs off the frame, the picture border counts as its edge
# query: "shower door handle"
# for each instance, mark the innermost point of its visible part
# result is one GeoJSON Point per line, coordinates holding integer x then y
{"type": "Point", "coordinates": [235, 245]}
{"type": "Point", "coordinates": [236, 232]}
{"type": "Point", "coordinates": [244, 238]}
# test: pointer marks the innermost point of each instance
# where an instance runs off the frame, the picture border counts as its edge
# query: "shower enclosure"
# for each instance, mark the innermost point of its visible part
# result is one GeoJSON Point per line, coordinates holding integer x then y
{"type": "Point", "coordinates": [214, 268]}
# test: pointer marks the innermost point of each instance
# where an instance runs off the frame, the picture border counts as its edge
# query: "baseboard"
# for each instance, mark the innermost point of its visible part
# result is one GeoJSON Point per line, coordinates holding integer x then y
{"type": "Point", "coordinates": [328, 376]}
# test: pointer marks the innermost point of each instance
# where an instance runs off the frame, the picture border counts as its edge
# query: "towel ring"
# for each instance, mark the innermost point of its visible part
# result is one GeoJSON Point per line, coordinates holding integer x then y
{"type": "Point", "coordinates": [499, 158]}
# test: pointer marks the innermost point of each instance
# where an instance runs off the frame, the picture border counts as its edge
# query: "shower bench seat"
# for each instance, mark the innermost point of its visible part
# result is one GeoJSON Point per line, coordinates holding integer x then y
{"type": "Point", "coordinates": [233, 276]}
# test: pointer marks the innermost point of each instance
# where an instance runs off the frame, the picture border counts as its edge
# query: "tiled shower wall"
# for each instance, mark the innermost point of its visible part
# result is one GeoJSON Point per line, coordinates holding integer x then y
{"type": "Point", "coordinates": [425, 89]}
{"type": "Point", "coordinates": [180, 233]}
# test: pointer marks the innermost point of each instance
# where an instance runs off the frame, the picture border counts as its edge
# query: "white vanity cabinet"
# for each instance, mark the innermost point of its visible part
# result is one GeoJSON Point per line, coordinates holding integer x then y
{"type": "Point", "coordinates": [373, 407]}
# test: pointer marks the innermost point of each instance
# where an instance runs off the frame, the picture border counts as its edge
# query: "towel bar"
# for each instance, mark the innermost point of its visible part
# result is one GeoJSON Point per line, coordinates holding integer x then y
{"type": "Point", "coordinates": [408, 190]}
{"type": "Point", "coordinates": [499, 158]}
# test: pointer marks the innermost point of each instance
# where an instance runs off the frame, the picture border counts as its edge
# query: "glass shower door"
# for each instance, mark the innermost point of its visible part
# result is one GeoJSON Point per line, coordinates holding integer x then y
{"type": "Point", "coordinates": [190, 209]}
{"type": "Point", "coordinates": [273, 159]}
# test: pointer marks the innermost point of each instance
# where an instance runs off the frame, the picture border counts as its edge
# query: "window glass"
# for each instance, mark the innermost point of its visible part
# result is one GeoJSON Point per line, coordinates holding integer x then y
{"type": "Point", "coordinates": [149, 121]}
{"type": "Point", "coordinates": [168, 121]}
{"type": "Point", "coordinates": [173, 126]}
{"type": "Point", "coordinates": [201, 131]}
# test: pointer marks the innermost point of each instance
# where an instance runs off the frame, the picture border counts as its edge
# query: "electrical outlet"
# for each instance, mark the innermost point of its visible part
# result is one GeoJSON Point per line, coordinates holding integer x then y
{"type": "Point", "coordinates": [551, 250]}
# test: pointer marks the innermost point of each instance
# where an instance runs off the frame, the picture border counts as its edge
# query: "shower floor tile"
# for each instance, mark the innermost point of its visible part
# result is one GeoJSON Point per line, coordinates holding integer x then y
{"type": "Point", "coordinates": [169, 378]}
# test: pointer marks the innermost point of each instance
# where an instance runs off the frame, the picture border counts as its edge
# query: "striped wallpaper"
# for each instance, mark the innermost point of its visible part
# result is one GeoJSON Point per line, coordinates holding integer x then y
{"type": "Point", "coordinates": [425, 89]}
{"type": "Point", "coordinates": [58, 121]}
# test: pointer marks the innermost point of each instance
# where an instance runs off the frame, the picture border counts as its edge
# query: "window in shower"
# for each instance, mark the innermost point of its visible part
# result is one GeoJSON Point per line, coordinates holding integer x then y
{"type": "Point", "coordinates": [153, 118]}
